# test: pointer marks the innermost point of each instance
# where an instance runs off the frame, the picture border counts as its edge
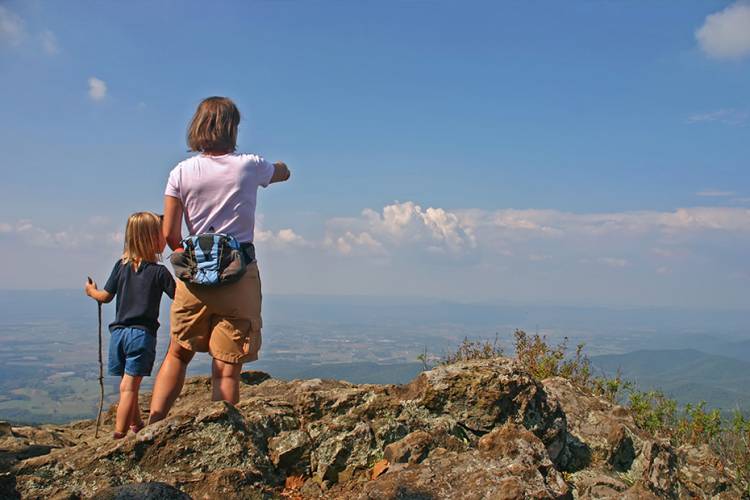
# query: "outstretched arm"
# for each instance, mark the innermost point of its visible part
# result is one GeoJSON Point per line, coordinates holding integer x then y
{"type": "Point", "coordinates": [281, 172]}
{"type": "Point", "coordinates": [172, 225]}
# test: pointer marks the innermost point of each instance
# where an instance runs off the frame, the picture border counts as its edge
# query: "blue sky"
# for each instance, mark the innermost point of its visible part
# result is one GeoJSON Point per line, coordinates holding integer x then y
{"type": "Point", "coordinates": [566, 152]}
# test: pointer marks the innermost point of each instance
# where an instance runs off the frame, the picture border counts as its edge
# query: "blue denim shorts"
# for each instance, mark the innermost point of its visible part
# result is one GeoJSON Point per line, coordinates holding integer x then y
{"type": "Point", "coordinates": [131, 351]}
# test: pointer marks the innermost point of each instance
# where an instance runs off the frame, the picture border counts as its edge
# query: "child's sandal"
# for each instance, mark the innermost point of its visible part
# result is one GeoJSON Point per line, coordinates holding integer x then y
{"type": "Point", "coordinates": [137, 428]}
{"type": "Point", "coordinates": [118, 435]}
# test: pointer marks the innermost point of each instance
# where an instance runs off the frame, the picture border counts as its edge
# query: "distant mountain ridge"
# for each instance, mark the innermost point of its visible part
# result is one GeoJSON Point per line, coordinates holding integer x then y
{"type": "Point", "coordinates": [687, 375]}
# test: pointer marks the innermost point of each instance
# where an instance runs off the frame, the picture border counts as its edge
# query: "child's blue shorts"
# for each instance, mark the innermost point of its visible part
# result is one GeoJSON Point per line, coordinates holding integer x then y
{"type": "Point", "coordinates": [131, 351]}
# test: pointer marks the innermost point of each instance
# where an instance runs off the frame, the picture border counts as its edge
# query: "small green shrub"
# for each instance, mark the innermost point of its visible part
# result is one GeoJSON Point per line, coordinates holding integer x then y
{"type": "Point", "coordinates": [543, 360]}
{"type": "Point", "coordinates": [473, 349]}
{"type": "Point", "coordinates": [653, 412]}
{"type": "Point", "coordinates": [733, 446]}
{"type": "Point", "coordinates": [611, 389]}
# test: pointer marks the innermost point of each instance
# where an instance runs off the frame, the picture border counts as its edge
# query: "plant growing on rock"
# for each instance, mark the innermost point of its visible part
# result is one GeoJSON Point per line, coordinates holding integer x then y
{"type": "Point", "coordinates": [473, 349]}
{"type": "Point", "coordinates": [733, 446]}
{"type": "Point", "coordinates": [544, 360]}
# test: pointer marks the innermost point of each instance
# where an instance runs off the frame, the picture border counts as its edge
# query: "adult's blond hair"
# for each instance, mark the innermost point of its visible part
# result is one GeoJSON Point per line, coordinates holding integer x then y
{"type": "Point", "coordinates": [214, 126]}
{"type": "Point", "coordinates": [142, 239]}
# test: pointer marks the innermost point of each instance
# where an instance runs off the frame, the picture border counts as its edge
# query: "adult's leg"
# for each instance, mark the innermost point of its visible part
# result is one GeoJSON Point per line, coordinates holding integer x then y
{"type": "Point", "coordinates": [225, 381]}
{"type": "Point", "coordinates": [169, 381]}
{"type": "Point", "coordinates": [129, 386]}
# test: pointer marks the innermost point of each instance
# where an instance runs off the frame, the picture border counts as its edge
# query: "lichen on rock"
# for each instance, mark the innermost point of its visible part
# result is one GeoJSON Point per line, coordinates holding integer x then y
{"type": "Point", "coordinates": [473, 429]}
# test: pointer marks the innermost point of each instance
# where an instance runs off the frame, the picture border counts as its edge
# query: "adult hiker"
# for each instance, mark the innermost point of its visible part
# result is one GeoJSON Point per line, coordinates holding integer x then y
{"type": "Point", "coordinates": [217, 304]}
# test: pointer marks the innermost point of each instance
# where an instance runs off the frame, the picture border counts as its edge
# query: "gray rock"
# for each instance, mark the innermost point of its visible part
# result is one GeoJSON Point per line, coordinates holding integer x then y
{"type": "Point", "coordinates": [141, 491]}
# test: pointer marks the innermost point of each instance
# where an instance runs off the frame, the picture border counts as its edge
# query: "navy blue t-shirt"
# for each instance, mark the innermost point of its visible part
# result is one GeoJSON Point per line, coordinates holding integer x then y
{"type": "Point", "coordinates": [139, 294]}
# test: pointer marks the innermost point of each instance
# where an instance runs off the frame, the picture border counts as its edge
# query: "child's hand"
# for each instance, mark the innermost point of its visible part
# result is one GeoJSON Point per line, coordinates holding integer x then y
{"type": "Point", "coordinates": [96, 294]}
{"type": "Point", "coordinates": [90, 288]}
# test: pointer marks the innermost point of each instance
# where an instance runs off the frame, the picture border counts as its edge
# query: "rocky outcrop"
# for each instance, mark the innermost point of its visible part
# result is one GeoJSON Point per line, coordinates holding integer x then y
{"type": "Point", "coordinates": [605, 452]}
{"type": "Point", "coordinates": [475, 429]}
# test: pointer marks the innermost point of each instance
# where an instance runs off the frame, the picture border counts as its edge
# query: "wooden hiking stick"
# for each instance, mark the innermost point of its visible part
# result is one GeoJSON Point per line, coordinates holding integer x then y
{"type": "Point", "coordinates": [101, 369]}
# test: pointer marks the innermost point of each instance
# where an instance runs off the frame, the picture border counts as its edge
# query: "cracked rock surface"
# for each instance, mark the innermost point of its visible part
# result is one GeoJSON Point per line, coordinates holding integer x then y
{"type": "Point", "coordinates": [471, 430]}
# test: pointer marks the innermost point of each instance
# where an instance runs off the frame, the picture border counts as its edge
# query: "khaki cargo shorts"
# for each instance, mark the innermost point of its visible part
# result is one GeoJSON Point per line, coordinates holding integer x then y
{"type": "Point", "coordinates": [224, 321]}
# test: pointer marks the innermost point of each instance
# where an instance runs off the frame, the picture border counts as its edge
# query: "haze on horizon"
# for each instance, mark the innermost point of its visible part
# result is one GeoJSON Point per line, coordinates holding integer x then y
{"type": "Point", "coordinates": [582, 153]}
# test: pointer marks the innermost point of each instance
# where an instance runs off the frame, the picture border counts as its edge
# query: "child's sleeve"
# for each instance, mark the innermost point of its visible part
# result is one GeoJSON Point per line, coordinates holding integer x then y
{"type": "Point", "coordinates": [111, 285]}
{"type": "Point", "coordinates": [167, 283]}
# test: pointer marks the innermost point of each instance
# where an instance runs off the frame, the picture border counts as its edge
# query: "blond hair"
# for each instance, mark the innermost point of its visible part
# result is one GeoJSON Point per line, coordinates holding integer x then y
{"type": "Point", "coordinates": [214, 126]}
{"type": "Point", "coordinates": [143, 239]}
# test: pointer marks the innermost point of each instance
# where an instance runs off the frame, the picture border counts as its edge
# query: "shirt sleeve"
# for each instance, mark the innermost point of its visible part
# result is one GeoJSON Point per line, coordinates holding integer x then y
{"type": "Point", "coordinates": [265, 172]}
{"type": "Point", "coordinates": [167, 282]}
{"type": "Point", "coordinates": [173, 184]}
{"type": "Point", "coordinates": [111, 285]}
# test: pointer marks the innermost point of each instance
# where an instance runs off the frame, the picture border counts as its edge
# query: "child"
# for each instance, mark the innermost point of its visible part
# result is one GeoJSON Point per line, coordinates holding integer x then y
{"type": "Point", "coordinates": [138, 282]}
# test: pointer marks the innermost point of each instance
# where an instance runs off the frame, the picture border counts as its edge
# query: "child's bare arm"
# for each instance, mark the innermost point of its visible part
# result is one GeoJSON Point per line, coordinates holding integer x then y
{"type": "Point", "coordinates": [280, 172]}
{"type": "Point", "coordinates": [96, 294]}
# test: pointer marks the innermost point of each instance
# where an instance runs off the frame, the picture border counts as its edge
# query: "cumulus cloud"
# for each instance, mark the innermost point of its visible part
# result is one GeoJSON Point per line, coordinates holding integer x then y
{"type": "Point", "coordinates": [97, 89]}
{"type": "Point", "coordinates": [283, 238]}
{"type": "Point", "coordinates": [726, 34]}
{"type": "Point", "coordinates": [11, 27]}
{"type": "Point", "coordinates": [406, 230]}
{"type": "Point", "coordinates": [349, 243]}
{"type": "Point", "coordinates": [49, 42]}
{"type": "Point", "coordinates": [401, 224]}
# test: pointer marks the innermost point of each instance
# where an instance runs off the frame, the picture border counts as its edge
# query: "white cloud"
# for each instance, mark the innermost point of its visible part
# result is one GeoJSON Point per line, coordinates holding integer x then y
{"type": "Point", "coordinates": [284, 238]}
{"type": "Point", "coordinates": [49, 42]}
{"type": "Point", "coordinates": [401, 224]}
{"type": "Point", "coordinates": [97, 89]}
{"type": "Point", "coordinates": [553, 223]}
{"type": "Point", "coordinates": [405, 231]}
{"type": "Point", "coordinates": [613, 262]}
{"type": "Point", "coordinates": [535, 257]}
{"type": "Point", "coordinates": [714, 193]}
{"type": "Point", "coordinates": [726, 34]}
{"type": "Point", "coordinates": [663, 252]}
{"type": "Point", "coordinates": [98, 220]}
{"type": "Point", "coordinates": [11, 27]}
{"type": "Point", "coordinates": [68, 238]}
{"type": "Point", "coordinates": [727, 116]}
{"type": "Point", "coordinates": [363, 242]}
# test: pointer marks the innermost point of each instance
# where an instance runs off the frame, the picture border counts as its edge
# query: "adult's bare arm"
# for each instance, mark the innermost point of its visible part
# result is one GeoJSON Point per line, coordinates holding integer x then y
{"type": "Point", "coordinates": [172, 225]}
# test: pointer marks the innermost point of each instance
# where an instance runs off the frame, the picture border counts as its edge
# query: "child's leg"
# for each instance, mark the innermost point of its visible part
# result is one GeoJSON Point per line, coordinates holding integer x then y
{"type": "Point", "coordinates": [135, 417]}
{"type": "Point", "coordinates": [129, 386]}
{"type": "Point", "coordinates": [225, 381]}
{"type": "Point", "coordinates": [169, 381]}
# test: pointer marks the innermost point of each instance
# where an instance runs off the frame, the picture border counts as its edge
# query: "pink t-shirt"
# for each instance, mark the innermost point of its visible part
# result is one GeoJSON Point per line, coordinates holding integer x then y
{"type": "Point", "coordinates": [220, 192]}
